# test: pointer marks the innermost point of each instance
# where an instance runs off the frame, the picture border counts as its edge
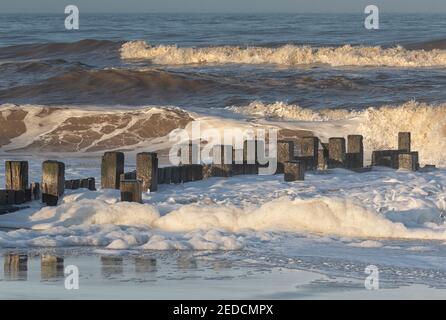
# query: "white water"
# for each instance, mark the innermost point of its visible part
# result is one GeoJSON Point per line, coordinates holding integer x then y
{"type": "Point", "coordinates": [288, 55]}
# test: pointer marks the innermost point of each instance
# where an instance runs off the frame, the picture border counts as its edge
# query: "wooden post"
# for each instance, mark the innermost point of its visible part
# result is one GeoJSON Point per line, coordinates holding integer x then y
{"type": "Point", "coordinates": [191, 152]}
{"type": "Point", "coordinates": [131, 191]}
{"type": "Point", "coordinates": [237, 162]}
{"type": "Point", "coordinates": [404, 141]}
{"type": "Point", "coordinates": [222, 156]}
{"type": "Point", "coordinates": [386, 158]}
{"type": "Point", "coordinates": [35, 190]}
{"type": "Point", "coordinates": [309, 148]}
{"type": "Point", "coordinates": [322, 158]}
{"type": "Point", "coordinates": [336, 153]}
{"type": "Point", "coordinates": [167, 176]}
{"type": "Point", "coordinates": [408, 161]}
{"type": "Point", "coordinates": [53, 181]}
{"type": "Point", "coordinates": [160, 176]}
{"type": "Point", "coordinates": [355, 155]}
{"type": "Point", "coordinates": [16, 175]}
{"type": "Point", "coordinates": [111, 169]}
{"type": "Point", "coordinates": [250, 163]}
{"type": "Point", "coordinates": [176, 175]}
{"type": "Point", "coordinates": [89, 183]}
{"type": "Point", "coordinates": [285, 153]}
{"type": "Point", "coordinates": [294, 171]}
{"type": "Point", "coordinates": [147, 170]}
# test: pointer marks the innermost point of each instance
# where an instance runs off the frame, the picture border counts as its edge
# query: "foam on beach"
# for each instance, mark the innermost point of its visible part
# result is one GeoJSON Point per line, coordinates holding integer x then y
{"type": "Point", "coordinates": [288, 55]}
{"type": "Point", "coordinates": [378, 125]}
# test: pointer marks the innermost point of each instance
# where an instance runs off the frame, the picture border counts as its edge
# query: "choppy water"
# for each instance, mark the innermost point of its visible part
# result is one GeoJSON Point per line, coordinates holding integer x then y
{"type": "Point", "coordinates": [214, 61]}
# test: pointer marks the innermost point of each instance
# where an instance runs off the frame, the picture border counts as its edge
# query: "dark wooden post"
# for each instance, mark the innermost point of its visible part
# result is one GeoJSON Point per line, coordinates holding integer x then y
{"type": "Point", "coordinates": [336, 153]}
{"type": "Point", "coordinates": [222, 156]}
{"type": "Point", "coordinates": [111, 169]}
{"type": "Point", "coordinates": [16, 175]}
{"type": "Point", "coordinates": [250, 157]}
{"type": "Point", "coordinates": [191, 153]}
{"type": "Point", "coordinates": [322, 157]}
{"type": "Point", "coordinates": [408, 161]}
{"type": "Point", "coordinates": [89, 183]}
{"type": "Point", "coordinates": [53, 181]}
{"type": "Point", "coordinates": [404, 141]}
{"type": "Point", "coordinates": [309, 147]}
{"type": "Point", "coordinates": [285, 153]}
{"type": "Point", "coordinates": [294, 171]}
{"type": "Point", "coordinates": [147, 170]}
{"type": "Point", "coordinates": [355, 149]}
{"type": "Point", "coordinates": [131, 191]}
{"type": "Point", "coordinates": [35, 190]}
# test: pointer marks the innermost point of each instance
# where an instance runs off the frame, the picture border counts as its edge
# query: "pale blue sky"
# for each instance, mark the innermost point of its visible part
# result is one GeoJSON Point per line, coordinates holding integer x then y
{"type": "Point", "coordinates": [219, 6]}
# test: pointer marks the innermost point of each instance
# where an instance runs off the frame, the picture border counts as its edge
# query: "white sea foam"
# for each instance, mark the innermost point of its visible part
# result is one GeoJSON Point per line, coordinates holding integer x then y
{"type": "Point", "coordinates": [379, 126]}
{"type": "Point", "coordinates": [289, 55]}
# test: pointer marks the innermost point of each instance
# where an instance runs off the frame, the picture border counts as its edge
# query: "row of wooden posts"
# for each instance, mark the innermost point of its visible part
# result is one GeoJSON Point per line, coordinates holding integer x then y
{"type": "Point", "coordinates": [311, 155]}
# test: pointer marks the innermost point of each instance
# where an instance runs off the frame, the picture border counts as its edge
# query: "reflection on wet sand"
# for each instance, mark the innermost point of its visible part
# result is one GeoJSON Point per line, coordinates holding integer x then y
{"type": "Point", "coordinates": [51, 267]}
{"type": "Point", "coordinates": [145, 265]}
{"type": "Point", "coordinates": [187, 263]}
{"type": "Point", "coordinates": [111, 266]}
{"type": "Point", "coordinates": [16, 267]}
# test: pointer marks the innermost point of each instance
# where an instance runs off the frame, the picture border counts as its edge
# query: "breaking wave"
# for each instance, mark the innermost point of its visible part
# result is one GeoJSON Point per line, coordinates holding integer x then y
{"type": "Point", "coordinates": [46, 129]}
{"type": "Point", "coordinates": [288, 55]}
{"type": "Point", "coordinates": [378, 125]}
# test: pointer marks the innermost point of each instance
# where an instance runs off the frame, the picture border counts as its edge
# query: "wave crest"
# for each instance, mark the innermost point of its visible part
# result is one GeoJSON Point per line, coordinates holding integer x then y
{"type": "Point", "coordinates": [288, 55]}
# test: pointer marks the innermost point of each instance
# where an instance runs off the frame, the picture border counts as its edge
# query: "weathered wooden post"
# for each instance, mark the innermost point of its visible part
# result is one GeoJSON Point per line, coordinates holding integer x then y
{"type": "Point", "coordinates": [237, 162]}
{"type": "Point", "coordinates": [250, 157]}
{"type": "Point", "coordinates": [176, 175]}
{"type": "Point", "coordinates": [131, 191]}
{"type": "Point", "coordinates": [111, 169]}
{"type": "Point", "coordinates": [147, 170]}
{"type": "Point", "coordinates": [294, 171]}
{"type": "Point", "coordinates": [89, 183]}
{"type": "Point", "coordinates": [35, 190]}
{"type": "Point", "coordinates": [336, 153]}
{"type": "Point", "coordinates": [355, 149]}
{"type": "Point", "coordinates": [408, 161]}
{"type": "Point", "coordinates": [404, 141]}
{"type": "Point", "coordinates": [53, 181]}
{"type": "Point", "coordinates": [189, 153]}
{"type": "Point", "coordinates": [309, 148]}
{"type": "Point", "coordinates": [187, 173]}
{"type": "Point", "coordinates": [197, 172]}
{"type": "Point", "coordinates": [222, 156]}
{"type": "Point", "coordinates": [167, 176]}
{"type": "Point", "coordinates": [285, 153]}
{"type": "Point", "coordinates": [16, 175]}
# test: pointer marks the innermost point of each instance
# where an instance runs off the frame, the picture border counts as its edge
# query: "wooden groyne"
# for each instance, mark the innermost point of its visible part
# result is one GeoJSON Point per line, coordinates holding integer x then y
{"type": "Point", "coordinates": [293, 159]}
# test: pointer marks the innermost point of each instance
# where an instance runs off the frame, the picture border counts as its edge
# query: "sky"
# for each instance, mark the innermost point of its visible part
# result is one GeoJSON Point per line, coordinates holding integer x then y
{"type": "Point", "coordinates": [220, 6]}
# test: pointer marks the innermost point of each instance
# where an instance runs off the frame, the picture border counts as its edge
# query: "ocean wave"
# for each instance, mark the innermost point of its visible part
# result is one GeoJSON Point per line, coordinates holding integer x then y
{"type": "Point", "coordinates": [378, 125]}
{"type": "Point", "coordinates": [107, 86]}
{"type": "Point", "coordinates": [32, 128]}
{"type": "Point", "coordinates": [46, 50]}
{"type": "Point", "coordinates": [288, 55]}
